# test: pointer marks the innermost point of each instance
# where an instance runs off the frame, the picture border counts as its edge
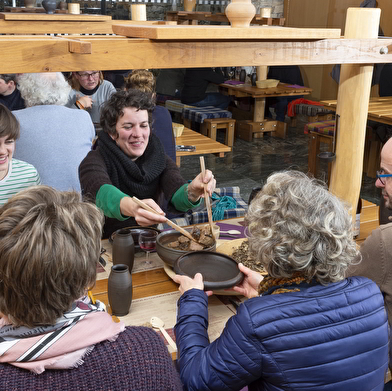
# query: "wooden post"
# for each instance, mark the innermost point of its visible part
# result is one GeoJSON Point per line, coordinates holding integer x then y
{"type": "Point", "coordinates": [258, 113]}
{"type": "Point", "coordinates": [352, 109]}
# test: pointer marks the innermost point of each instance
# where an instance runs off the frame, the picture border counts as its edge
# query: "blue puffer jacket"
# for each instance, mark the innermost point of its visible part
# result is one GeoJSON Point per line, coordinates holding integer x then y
{"type": "Point", "coordinates": [324, 338]}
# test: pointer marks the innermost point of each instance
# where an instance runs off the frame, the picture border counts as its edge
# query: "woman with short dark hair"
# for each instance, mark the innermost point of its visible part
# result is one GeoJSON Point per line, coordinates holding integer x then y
{"type": "Point", "coordinates": [304, 327]}
{"type": "Point", "coordinates": [131, 161]}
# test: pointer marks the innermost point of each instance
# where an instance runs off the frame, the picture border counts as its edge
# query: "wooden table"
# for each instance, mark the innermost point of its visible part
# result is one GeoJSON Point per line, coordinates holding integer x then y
{"type": "Point", "coordinates": [380, 108]}
{"type": "Point", "coordinates": [247, 129]}
{"type": "Point", "coordinates": [202, 143]}
{"type": "Point", "coordinates": [153, 288]}
{"type": "Point", "coordinates": [186, 17]}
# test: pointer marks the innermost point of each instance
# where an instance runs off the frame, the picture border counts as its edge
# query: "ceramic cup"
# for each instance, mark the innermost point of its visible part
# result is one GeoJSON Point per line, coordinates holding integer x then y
{"type": "Point", "coordinates": [266, 12]}
{"type": "Point", "coordinates": [139, 12]}
{"type": "Point", "coordinates": [74, 8]}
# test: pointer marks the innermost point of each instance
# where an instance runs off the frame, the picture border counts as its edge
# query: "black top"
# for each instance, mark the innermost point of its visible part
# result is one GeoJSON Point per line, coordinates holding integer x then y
{"type": "Point", "coordinates": [13, 101]}
{"type": "Point", "coordinates": [196, 81]}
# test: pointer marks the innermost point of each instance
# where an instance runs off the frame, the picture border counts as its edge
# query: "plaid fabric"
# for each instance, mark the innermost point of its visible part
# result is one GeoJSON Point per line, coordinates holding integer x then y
{"type": "Point", "coordinates": [200, 216]}
{"type": "Point", "coordinates": [175, 105]}
{"type": "Point", "coordinates": [311, 110]}
{"type": "Point", "coordinates": [199, 114]}
{"type": "Point", "coordinates": [181, 221]}
{"type": "Point", "coordinates": [322, 127]}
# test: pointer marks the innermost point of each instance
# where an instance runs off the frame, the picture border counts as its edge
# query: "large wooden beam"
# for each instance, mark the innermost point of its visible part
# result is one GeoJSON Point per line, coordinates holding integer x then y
{"type": "Point", "coordinates": [43, 54]}
{"type": "Point", "coordinates": [352, 110]}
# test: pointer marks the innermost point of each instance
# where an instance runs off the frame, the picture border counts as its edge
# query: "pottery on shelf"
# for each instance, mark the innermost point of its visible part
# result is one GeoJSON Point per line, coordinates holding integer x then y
{"type": "Point", "coordinates": [123, 248]}
{"type": "Point", "coordinates": [29, 3]}
{"type": "Point", "coordinates": [240, 13]}
{"type": "Point", "coordinates": [120, 290]}
{"type": "Point", "coordinates": [49, 6]}
{"type": "Point", "coordinates": [62, 5]}
{"type": "Point", "coordinates": [189, 5]}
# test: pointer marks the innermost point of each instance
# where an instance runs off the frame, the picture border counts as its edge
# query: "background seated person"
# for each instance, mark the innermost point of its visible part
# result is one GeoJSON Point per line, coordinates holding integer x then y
{"type": "Point", "coordinates": [131, 161]}
{"type": "Point", "coordinates": [304, 326]}
{"type": "Point", "coordinates": [290, 74]}
{"type": "Point", "coordinates": [9, 93]}
{"type": "Point", "coordinates": [89, 92]}
{"type": "Point", "coordinates": [49, 249]}
{"type": "Point", "coordinates": [196, 81]}
{"type": "Point", "coordinates": [54, 138]}
{"type": "Point", "coordinates": [144, 80]}
{"type": "Point", "coordinates": [15, 175]}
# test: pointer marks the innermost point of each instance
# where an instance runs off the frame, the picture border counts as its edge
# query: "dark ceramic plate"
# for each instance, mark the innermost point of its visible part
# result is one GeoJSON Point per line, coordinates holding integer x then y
{"type": "Point", "coordinates": [219, 270]}
{"type": "Point", "coordinates": [135, 234]}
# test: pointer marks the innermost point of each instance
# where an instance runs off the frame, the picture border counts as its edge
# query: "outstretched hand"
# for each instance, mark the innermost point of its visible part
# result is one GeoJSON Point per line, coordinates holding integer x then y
{"type": "Point", "coordinates": [250, 284]}
{"type": "Point", "coordinates": [143, 217]}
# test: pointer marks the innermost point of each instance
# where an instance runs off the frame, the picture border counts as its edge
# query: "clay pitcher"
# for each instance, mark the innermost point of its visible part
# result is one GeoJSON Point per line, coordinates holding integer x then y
{"type": "Point", "coordinates": [123, 248]}
{"type": "Point", "coordinates": [240, 13]}
{"type": "Point", "coordinates": [49, 6]}
{"type": "Point", "coordinates": [189, 5]}
{"type": "Point", "coordinates": [120, 290]}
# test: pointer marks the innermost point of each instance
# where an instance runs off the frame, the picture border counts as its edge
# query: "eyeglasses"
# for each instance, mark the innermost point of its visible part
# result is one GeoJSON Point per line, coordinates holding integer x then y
{"type": "Point", "coordinates": [85, 76]}
{"type": "Point", "coordinates": [380, 174]}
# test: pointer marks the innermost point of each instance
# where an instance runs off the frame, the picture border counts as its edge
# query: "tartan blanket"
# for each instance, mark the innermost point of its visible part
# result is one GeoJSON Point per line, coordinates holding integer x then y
{"type": "Point", "coordinates": [175, 105]}
{"type": "Point", "coordinates": [322, 127]}
{"type": "Point", "coordinates": [199, 114]}
{"type": "Point", "coordinates": [311, 110]}
{"type": "Point", "coordinates": [200, 216]}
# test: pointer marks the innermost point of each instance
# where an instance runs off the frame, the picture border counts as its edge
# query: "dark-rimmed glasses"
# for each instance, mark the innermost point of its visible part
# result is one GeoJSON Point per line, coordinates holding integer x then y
{"type": "Point", "coordinates": [85, 76]}
{"type": "Point", "coordinates": [380, 175]}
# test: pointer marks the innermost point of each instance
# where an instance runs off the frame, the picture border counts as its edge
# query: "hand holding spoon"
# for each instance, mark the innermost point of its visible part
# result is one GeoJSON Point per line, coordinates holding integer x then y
{"type": "Point", "coordinates": [158, 324]}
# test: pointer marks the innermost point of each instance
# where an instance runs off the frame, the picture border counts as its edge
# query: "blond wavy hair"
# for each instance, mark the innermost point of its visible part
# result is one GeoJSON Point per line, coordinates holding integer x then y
{"type": "Point", "coordinates": [297, 225]}
{"type": "Point", "coordinates": [141, 79]}
{"type": "Point", "coordinates": [49, 249]}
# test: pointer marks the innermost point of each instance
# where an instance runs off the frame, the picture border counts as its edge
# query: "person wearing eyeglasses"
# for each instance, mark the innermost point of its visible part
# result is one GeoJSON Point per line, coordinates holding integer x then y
{"type": "Point", "coordinates": [376, 251]}
{"type": "Point", "coordinates": [89, 92]}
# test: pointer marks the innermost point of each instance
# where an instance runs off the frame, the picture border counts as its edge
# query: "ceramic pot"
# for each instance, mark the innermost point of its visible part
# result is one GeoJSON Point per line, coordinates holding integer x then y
{"type": "Point", "coordinates": [240, 13]}
{"type": "Point", "coordinates": [189, 5]}
{"type": "Point", "coordinates": [123, 248]}
{"type": "Point", "coordinates": [49, 6]}
{"type": "Point", "coordinates": [253, 79]}
{"type": "Point", "coordinates": [243, 75]}
{"type": "Point", "coordinates": [29, 3]}
{"type": "Point", "coordinates": [120, 290]}
{"type": "Point", "coordinates": [62, 5]}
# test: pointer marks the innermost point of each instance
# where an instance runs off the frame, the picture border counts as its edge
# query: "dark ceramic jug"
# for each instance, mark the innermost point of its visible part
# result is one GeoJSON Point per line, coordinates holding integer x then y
{"type": "Point", "coordinates": [242, 75]}
{"type": "Point", "coordinates": [120, 290]}
{"type": "Point", "coordinates": [253, 79]}
{"type": "Point", "coordinates": [123, 248]}
{"type": "Point", "coordinates": [49, 6]}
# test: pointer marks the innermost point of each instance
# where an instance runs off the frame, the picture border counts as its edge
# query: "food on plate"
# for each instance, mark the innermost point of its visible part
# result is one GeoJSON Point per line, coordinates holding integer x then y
{"type": "Point", "coordinates": [202, 235]}
{"type": "Point", "coordinates": [241, 254]}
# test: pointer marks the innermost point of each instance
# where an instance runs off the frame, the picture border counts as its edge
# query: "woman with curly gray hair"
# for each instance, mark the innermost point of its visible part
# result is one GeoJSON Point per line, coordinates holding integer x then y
{"type": "Point", "coordinates": [304, 326]}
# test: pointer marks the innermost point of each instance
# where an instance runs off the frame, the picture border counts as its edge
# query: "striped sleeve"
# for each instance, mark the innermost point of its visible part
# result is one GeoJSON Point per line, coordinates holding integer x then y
{"type": "Point", "coordinates": [21, 175]}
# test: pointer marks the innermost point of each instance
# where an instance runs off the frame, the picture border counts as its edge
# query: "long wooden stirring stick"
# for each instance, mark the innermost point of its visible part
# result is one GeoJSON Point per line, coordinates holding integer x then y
{"type": "Point", "coordinates": [173, 225]}
{"type": "Point", "coordinates": [207, 197]}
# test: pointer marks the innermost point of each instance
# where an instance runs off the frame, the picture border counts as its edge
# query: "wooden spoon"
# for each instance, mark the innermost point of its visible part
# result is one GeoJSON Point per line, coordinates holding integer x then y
{"type": "Point", "coordinates": [207, 197]}
{"type": "Point", "coordinates": [158, 324]}
{"type": "Point", "coordinates": [173, 225]}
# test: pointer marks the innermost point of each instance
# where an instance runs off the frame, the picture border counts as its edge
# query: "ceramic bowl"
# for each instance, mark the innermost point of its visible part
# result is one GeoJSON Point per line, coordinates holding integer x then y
{"type": "Point", "coordinates": [269, 83]}
{"type": "Point", "coordinates": [219, 270]}
{"type": "Point", "coordinates": [135, 234]}
{"type": "Point", "coordinates": [170, 255]}
{"type": "Point", "coordinates": [177, 129]}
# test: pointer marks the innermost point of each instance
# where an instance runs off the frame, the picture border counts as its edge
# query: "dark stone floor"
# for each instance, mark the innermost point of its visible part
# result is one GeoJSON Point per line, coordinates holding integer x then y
{"type": "Point", "coordinates": [250, 163]}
